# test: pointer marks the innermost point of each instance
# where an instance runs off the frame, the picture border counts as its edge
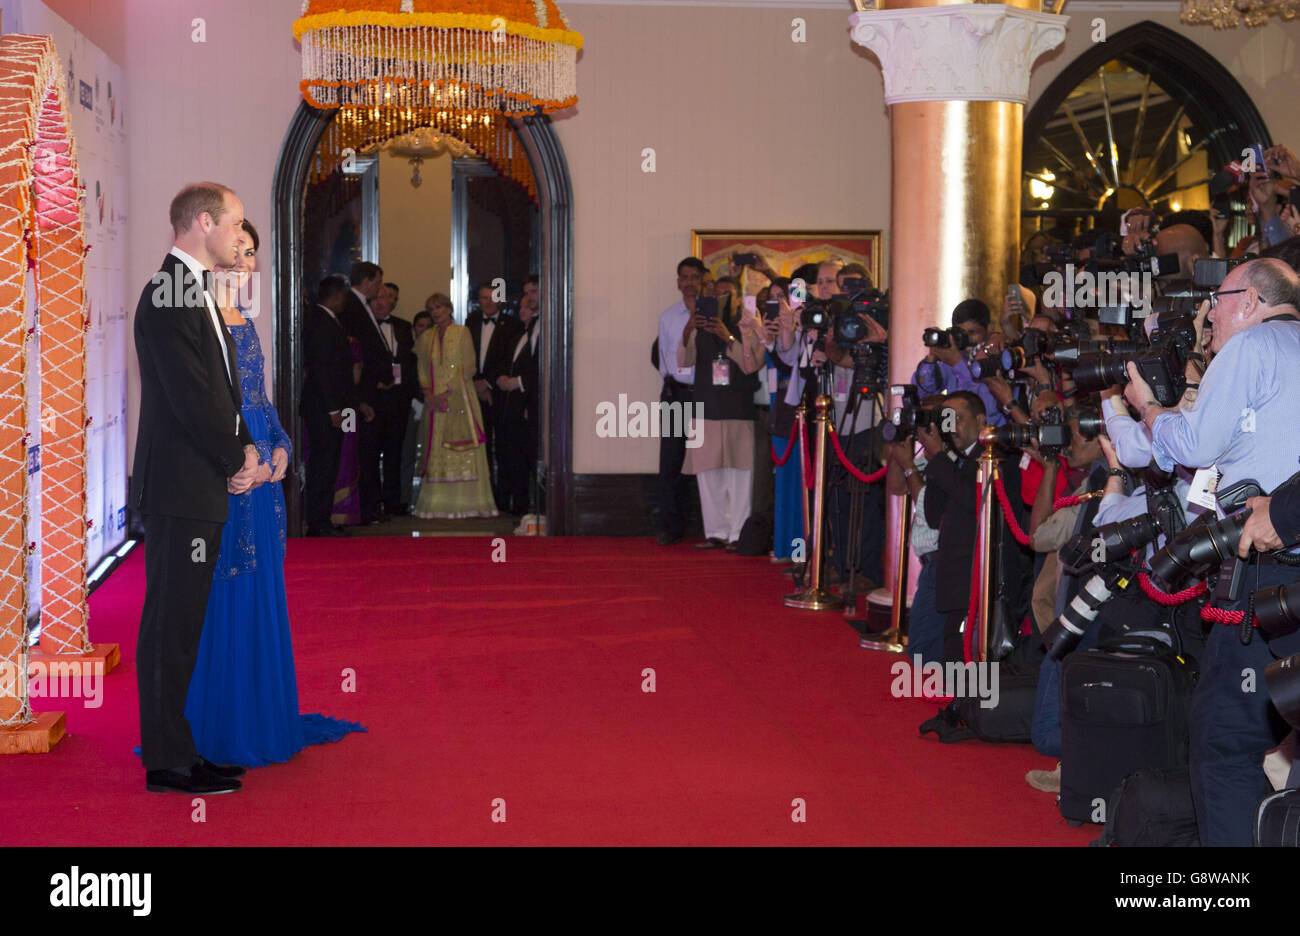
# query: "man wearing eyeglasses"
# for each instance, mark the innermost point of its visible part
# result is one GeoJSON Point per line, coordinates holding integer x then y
{"type": "Point", "coordinates": [1245, 422]}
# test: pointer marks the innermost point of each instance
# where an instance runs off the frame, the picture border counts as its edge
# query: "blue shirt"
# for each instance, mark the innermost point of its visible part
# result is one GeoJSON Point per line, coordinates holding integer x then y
{"type": "Point", "coordinates": [938, 377]}
{"type": "Point", "coordinates": [1245, 420]}
{"type": "Point", "coordinates": [1131, 438]}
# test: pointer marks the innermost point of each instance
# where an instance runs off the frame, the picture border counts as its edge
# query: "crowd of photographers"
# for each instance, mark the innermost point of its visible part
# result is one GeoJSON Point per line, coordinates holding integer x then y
{"type": "Point", "coordinates": [1146, 441]}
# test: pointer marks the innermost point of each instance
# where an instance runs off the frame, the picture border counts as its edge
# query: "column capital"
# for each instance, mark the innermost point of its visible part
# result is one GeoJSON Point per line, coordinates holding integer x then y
{"type": "Point", "coordinates": [966, 52]}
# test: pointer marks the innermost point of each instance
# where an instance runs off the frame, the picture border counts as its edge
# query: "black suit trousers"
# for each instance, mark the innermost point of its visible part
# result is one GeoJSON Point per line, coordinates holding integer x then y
{"type": "Point", "coordinates": [674, 497]}
{"type": "Point", "coordinates": [180, 556]}
{"type": "Point", "coordinates": [322, 468]}
{"type": "Point", "coordinates": [391, 412]}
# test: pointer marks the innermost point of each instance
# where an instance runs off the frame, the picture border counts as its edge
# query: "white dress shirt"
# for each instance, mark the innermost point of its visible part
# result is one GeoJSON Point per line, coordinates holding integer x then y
{"type": "Point", "coordinates": [197, 270]}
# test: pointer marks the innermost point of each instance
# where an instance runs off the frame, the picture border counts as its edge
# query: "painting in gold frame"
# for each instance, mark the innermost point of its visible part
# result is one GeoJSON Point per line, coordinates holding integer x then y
{"type": "Point", "coordinates": [786, 251]}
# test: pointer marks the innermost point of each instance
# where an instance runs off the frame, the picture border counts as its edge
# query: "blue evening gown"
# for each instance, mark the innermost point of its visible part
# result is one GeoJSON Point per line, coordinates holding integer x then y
{"type": "Point", "coordinates": [243, 698]}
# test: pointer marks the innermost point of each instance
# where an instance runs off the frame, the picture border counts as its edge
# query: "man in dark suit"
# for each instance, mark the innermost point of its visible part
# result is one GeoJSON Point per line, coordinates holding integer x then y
{"type": "Point", "coordinates": [517, 425]}
{"type": "Point", "coordinates": [327, 392]}
{"type": "Point", "coordinates": [192, 449]}
{"type": "Point", "coordinates": [376, 375]}
{"type": "Point", "coordinates": [494, 336]}
{"type": "Point", "coordinates": [395, 400]}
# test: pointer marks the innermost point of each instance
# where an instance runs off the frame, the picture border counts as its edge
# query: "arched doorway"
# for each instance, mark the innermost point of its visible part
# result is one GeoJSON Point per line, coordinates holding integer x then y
{"type": "Point", "coordinates": [1147, 115]}
{"type": "Point", "coordinates": [555, 202]}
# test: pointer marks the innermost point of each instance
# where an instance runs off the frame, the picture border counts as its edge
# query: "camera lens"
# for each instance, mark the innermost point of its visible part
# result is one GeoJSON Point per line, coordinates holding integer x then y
{"type": "Point", "coordinates": [985, 367]}
{"type": "Point", "coordinates": [1278, 610]}
{"type": "Point", "coordinates": [1099, 370]}
{"type": "Point", "coordinates": [1196, 550]}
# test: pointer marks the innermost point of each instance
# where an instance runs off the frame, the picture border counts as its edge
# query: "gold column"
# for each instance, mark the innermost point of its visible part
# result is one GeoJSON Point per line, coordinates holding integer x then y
{"type": "Point", "coordinates": [956, 80]}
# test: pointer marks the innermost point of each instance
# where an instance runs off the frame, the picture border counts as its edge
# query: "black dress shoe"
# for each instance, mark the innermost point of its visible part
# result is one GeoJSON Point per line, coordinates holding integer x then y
{"type": "Point", "coordinates": [199, 781]}
{"type": "Point", "coordinates": [733, 546]}
{"type": "Point", "coordinates": [667, 539]}
{"type": "Point", "coordinates": [228, 771]}
{"type": "Point", "coordinates": [711, 543]}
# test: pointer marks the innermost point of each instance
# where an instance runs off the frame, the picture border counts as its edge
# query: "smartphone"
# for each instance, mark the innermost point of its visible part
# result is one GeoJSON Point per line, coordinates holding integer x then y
{"type": "Point", "coordinates": [707, 306]}
{"type": "Point", "coordinates": [744, 259]}
{"type": "Point", "coordinates": [771, 310]}
{"type": "Point", "coordinates": [750, 304]}
{"type": "Point", "coordinates": [1294, 196]}
{"type": "Point", "coordinates": [798, 291]}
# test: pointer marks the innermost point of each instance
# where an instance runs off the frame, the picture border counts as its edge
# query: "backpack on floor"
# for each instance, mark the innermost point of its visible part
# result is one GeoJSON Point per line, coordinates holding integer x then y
{"type": "Point", "coordinates": [1009, 721]}
{"type": "Point", "coordinates": [756, 535]}
{"type": "Point", "coordinates": [1277, 820]}
{"type": "Point", "coordinates": [1151, 808]}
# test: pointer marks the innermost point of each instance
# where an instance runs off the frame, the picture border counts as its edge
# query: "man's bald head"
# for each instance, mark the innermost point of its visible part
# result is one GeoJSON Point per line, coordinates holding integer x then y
{"type": "Point", "coordinates": [1277, 284]}
{"type": "Point", "coordinates": [1187, 242]}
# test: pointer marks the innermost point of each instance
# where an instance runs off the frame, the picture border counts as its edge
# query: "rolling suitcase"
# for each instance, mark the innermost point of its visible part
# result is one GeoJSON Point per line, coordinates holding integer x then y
{"type": "Point", "coordinates": [1123, 708]}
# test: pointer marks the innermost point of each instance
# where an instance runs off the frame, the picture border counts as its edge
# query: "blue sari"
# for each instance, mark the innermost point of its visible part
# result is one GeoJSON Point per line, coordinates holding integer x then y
{"type": "Point", "coordinates": [243, 698]}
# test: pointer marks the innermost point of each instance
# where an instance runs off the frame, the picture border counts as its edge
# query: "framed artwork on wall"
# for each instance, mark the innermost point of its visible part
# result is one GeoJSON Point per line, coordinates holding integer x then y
{"type": "Point", "coordinates": [786, 251]}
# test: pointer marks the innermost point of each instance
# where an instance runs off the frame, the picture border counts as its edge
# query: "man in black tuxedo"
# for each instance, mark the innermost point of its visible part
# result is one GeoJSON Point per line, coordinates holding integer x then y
{"type": "Point", "coordinates": [494, 338]}
{"type": "Point", "coordinates": [517, 425]}
{"type": "Point", "coordinates": [376, 374]}
{"type": "Point", "coordinates": [327, 391]}
{"type": "Point", "coordinates": [394, 407]}
{"type": "Point", "coordinates": [192, 449]}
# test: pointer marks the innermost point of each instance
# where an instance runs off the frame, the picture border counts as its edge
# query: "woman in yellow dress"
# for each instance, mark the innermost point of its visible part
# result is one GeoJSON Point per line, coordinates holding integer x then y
{"type": "Point", "coordinates": [454, 482]}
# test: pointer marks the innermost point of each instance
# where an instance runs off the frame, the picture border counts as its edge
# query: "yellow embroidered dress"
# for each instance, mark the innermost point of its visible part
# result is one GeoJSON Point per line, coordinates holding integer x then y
{"type": "Point", "coordinates": [455, 481]}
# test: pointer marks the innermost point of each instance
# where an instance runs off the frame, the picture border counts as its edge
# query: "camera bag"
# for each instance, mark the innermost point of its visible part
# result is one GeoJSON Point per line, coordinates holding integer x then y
{"type": "Point", "coordinates": [1277, 820]}
{"type": "Point", "coordinates": [1008, 721]}
{"type": "Point", "coordinates": [1151, 808]}
{"type": "Point", "coordinates": [1124, 708]}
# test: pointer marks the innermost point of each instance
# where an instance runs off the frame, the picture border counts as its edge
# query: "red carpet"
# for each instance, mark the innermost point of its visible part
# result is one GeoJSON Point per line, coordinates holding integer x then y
{"type": "Point", "coordinates": [522, 680]}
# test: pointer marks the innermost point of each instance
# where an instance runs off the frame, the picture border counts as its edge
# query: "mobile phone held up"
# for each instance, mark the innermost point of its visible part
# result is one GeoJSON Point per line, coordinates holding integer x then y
{"type": "Point", "coordinates": [771, 310]}
{"type": "Point", "coordinates": [707, 306]}
{"type": "Point", "coordinates": [744, 259]}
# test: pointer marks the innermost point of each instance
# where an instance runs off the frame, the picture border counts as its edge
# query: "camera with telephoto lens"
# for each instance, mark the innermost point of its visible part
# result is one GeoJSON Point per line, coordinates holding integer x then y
{"type": "Point", "coordinates": [946, 337]}
{"type": "Point", "coordinates": [908, 416]}
{"type": "Point", "coordinates": [1067, 354]}
{"type": "Point", "coordinates": [1051, 433]}
{"type": "Point", "coordinates": [1197, 550]}
{"type": "Point", "coordinates": [1162, 364]}
{"type": "Point", "coordinates": [1109, 550]}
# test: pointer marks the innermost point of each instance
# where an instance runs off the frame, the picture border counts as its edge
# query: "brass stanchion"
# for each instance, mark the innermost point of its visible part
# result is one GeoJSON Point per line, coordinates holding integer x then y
{"type": "Point", "coordinates": [894, 640]}
{"type": "Point", "coordinates": [814, 597]}
{"type": "Point", "coordinates": [988, 473]}
{"type": "Point", "coordinates": [799, 422]}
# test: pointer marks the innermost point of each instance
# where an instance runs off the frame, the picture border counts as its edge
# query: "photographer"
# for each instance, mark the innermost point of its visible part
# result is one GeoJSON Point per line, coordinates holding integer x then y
{"type": "Point", "coordinates": [723, 462]}
{"type": "Point", "coordinates": [906, 476]}
{"type": "Point", "coordinates": [1246, 424]}
{"type": "Point", "coordinates": [951, 445]}
{"type": "Point", "coordinates": [945, 369]}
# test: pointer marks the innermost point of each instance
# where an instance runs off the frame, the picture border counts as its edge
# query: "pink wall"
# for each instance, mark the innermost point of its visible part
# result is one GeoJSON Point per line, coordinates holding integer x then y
{"type": "Point", "coordinates": [215, 110]}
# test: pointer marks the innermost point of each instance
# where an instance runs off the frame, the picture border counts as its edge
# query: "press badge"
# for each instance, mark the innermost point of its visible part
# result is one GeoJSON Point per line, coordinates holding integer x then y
{"type": "Point", "coordinates": [841, 387]}
{"type": "Point", "coordinates": [1204, 485]}
{"type": "Point", "coordinates": [773, 380]}
{"type": "Point", "coordinates": [721, 372]}
{"type": "Point", "coordinates": [397, 373]}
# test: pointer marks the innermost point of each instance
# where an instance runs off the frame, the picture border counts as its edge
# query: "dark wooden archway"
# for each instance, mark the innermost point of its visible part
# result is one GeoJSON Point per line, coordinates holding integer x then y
{"type": "Point", "coordinates": [555, 198]}
{"type": "Point", "coordinates": [1188, 73]}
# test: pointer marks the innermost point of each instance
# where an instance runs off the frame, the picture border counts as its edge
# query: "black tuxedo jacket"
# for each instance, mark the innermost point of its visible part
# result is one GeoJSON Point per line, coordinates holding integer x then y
{"type": "Point", "coordinates": [186, 445]}
{"type": "Point", "coordinates": [327, 360]}
{"type": "Point", "coordinates": [500, 347]}
{"type": "Point", "coordinates": [950, 508]}
{"type": "Point", "coordinates": [520, 406]}
{"type": "Point", "coordinates": [376, 362]}
{"type": "Point", "coordinates": [406, 357]}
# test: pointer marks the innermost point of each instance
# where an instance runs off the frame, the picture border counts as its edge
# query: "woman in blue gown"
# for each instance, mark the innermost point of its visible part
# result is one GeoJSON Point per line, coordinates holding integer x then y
{"type": "Point", "coordinates": [243, 698]}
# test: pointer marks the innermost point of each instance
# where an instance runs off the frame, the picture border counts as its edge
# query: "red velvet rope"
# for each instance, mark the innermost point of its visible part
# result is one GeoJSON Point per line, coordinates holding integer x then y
{"type": "Point", "coordinates": [1023, 538]}
{"type": "Point", "coordinates": [1214, 615]}
{"type": "Point", "coordinates": [1169, 599]}
{"type": "Point", "coordinates": [865, 478]}
{"type": "Point", "coordinates": [1071, 500]}
{"type": "Point", "coordinates": [789, 447]}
